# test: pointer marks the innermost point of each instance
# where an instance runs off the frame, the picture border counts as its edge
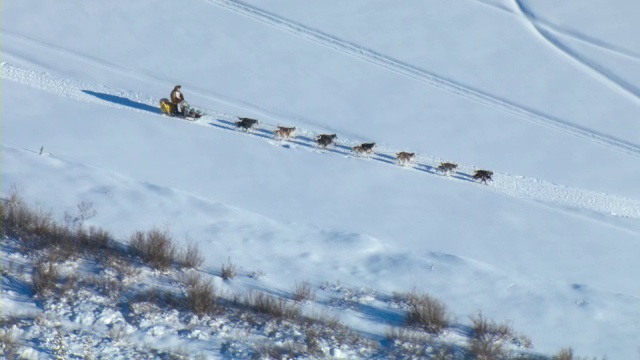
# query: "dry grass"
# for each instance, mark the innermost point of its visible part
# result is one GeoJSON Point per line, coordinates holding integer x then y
{"type": "Point", "coordinates": [45, 278]}
{"type": "Point", "coordinates": [271, 305]}
{"type": "Point", "coordinates": [289, 350]}
{"type": "Point", "coordinates": [9, 344]}
{"type": "Point", "coordinates": [190, 257]}
{"type": "Point", "coordinates": [228, 271]}
{"type": "Point", "coordinates": [303, 292]}
{"type": "Point", "coordinates": [93, 239]}
{"type": "Point", "coordinates": [107, 287]}
{"type": "Point", "coordinates": [200, 296]}
{"type": "Point", "coordinates": [36, 230]}
{"type": "Point", "coordinates": [489, 339]}
{"type": "Point", "coordinates": [564, 354]}
{"type": "Point", "coordinates": [425, 312]}
{"type": "Point", "coordinates": [155, 247]}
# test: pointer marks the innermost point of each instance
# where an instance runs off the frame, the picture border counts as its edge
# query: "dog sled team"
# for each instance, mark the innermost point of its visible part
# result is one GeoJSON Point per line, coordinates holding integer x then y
{"type": "Point", "coordinates": [177, 106]}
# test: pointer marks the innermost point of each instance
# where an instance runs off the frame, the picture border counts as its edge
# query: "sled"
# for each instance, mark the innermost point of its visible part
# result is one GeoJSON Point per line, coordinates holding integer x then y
{"type": "Point", "coordinates": [167, 108]}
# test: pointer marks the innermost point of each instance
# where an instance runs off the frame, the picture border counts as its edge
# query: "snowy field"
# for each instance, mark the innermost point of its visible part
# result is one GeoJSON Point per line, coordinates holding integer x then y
{"type": "Point", "coordinates": [545, 95]}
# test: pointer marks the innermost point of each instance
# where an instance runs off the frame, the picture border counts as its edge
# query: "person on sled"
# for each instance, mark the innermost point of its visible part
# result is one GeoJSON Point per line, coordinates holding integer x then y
{"type": "Point", "coordinates": [177, 99]}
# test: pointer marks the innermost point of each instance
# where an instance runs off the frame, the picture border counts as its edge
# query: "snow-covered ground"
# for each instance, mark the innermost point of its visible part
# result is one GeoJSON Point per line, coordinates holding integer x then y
{"type": "Point", "coordinates": [545, 95]}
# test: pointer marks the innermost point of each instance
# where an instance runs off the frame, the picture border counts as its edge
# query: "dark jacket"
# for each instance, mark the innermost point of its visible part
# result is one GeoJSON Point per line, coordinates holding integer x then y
{"type": "Point", "coordinates": [176, 96]}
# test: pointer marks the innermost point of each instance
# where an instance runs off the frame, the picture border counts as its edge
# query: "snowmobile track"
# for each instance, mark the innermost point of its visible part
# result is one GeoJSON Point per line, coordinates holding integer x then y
{"type": "Point", "coordinates": [573, 34]}
{"type": "Point", "coordinates": [591, 67]}
{"type": "Point", "coordinates": [437, 81]}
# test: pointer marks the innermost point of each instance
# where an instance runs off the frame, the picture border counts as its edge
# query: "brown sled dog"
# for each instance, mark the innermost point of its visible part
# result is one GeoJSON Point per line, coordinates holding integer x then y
{"type": "Point", "coordinates": [447, 168]}
{"type": "Point", "coordinates": [405, 158]}
{"type": "Point", "coordinates": [284, 132]}
{"type": "Point", "coordinates": [363, 149]}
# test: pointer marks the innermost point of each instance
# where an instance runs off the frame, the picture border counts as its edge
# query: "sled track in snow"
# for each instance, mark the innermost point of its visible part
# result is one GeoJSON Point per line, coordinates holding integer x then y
{"type": "Point", "coordinates": [575, 35]}
{"type": "Point", "coordinates": [427, 77]}
{"type": "Point", "coordinates": [516, 186]}
{"type": "Point", "coordinates": [596, 70]}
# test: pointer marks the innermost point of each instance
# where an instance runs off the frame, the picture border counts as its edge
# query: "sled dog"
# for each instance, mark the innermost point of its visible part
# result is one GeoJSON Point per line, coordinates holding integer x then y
{"type": "Point", "coordinates": [284, 132]}
{"type": "Point", "coordinates": [446, 168]}
{"type": "Point", "coordinates": [405, 158]}
{"type": "Point", "coordinates": [483, 176]}
{"type": "Point", "coordinates": [325, 140]}
{"type": "Point", "coordinates": [365, 148]}
{"type": "Point", "coordinates": [246, 123]}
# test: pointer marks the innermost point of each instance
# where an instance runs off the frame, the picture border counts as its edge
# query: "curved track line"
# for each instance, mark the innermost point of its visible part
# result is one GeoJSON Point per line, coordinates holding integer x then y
{"type": "Point", "coordinates": [515, 186]}
{"type": "Point", "coordinates": [585, 39]}
{"type": "Point", "coordinates": [598, 71]}
{"type": "Point", "coordinates": [429, 78]}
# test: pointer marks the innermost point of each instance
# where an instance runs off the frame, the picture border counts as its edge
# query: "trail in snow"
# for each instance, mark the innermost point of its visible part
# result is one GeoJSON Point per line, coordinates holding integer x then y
{"type": "Point", "coordinates": [591, 67]}
{"type": "Point", "coordinates": [516, 186]}
{"type": "Point", "coordinates": [429, 78]}
{"type": "Point", "coordinates": [585, 39]}
{"type": "Point", "coordinates": [132, 73]}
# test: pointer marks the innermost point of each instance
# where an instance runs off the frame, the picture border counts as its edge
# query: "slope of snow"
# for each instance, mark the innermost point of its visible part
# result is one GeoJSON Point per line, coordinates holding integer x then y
{"type": "Point", "coordinates": [514, 87]}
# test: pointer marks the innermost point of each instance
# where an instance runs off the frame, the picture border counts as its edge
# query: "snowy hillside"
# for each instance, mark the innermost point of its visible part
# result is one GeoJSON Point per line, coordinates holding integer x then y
{"type": "Point", "coordinates": [545, 95]}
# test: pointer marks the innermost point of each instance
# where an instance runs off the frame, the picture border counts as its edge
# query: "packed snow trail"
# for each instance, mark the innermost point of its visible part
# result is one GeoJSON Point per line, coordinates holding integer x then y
{"type": "Point", "coordinates": [591, 67]}
{"type": "Point", "coordinates": [516, 186]}
{"type": "Point", "coordinates": [425, 76]}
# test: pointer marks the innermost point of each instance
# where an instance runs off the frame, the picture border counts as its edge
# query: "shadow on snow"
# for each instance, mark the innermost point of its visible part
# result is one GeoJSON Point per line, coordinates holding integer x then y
{"type": "Point", "coordinates": [310, 143]}
{"type": "Point", "coordinates": [124, 101]}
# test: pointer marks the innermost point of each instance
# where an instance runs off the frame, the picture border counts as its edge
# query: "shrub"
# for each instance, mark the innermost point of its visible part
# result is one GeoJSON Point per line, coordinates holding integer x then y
{"type": "Point", "coordinates": [488, 338]}
{"type": "Point", "coordinates": [288, 350]}
{"type": "Point", "coordinates": [426, 312]}
{"type": "Point", "coordinates": [303, 292]}
{"type": "Point", "coordinates": [85, 212]}
{"type": "Point", "coordinates": [107, 287]}
{"type": "Point", "coordinates": [407, 343]}
{"type": "Point", "coordinates": [270, 305]}
{"type": "Point", "coordinates": [9, 343]}
{"type": "Point", "coordinates": [228, 270]}
{"type": "Point", "coordinates": [154, 247]}
{"type": "Point", "coordinates": [200, 298]}
{"type": "Point", "coordinates": [190, 257]}
{"type": "Point", "coordinates": [45, 278]}
{"type": "Point", "coordinates": [156, 296]}
{"type": "Point", "coordinates": [31, 226]}
{"type": "Point", "coordinates": [93, 239]}
{"type": "Point", "coordinates": [564, 354]}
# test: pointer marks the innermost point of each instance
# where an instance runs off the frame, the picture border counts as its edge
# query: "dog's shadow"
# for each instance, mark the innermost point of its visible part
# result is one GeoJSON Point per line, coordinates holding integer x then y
{"type": "Point", "coordinates": [310, 143]}
{"type": "Point", "coordinates": [231, 126]}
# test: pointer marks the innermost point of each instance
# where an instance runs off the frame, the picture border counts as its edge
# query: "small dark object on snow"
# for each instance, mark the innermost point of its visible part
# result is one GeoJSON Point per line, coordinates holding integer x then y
{"type": "Point", "coordinates": [447, 167]}
{"type": "Point", "coordinates": [483, 176]}
{"type": "Point", "coordinates": [325, 140]}
{"type": "Point", "coordinates": [193, 114]}
{"type": "Point", "coordinates": [365, 148]}
{"type": "Point", "coordinates": [246, 123]}
{"type": "Point", "coordinates": [405, 158]}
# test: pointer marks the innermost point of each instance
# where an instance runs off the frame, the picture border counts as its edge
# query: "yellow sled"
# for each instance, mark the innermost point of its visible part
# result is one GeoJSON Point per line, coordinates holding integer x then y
{"type": "Point", "coordinates": [166, 107]}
